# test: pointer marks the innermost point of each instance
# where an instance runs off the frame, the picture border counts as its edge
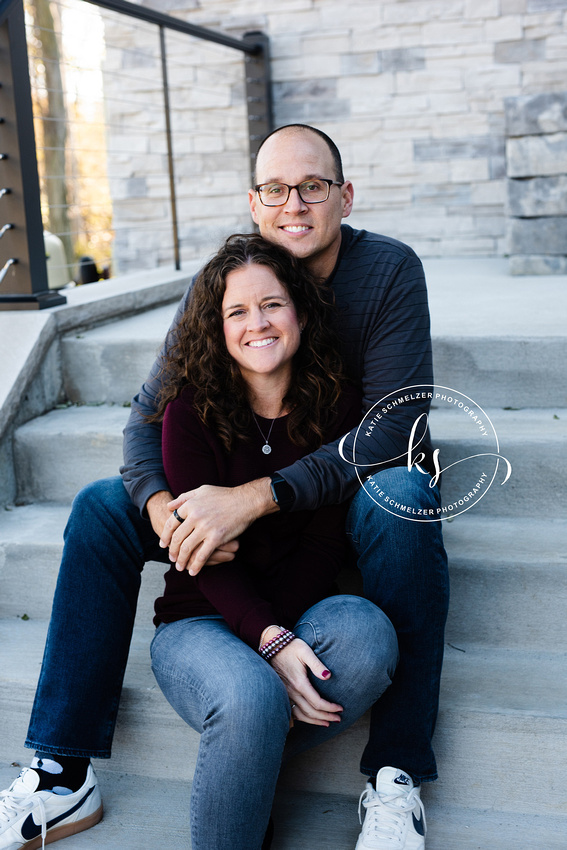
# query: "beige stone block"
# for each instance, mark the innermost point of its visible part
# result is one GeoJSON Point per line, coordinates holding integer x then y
{"type": "Point", "coordinates": [321, 66]}
{"type": "Point", "coordinates": [209, 144]}
{"type": "Point", "coordinates": [468, 170]}
{"type": "Point", "coordinates": [542, 25]}
{"type": "Point", "coordinates": [459, 124]}
{"type": "Point", "coordinates": [507, 77]}
{"type": "Point", "coordinates": [411, 36]}
{"type": "Point", "coordinates": [378, 38]}
{"type": "Point", "coordinates": [427, 81]}
{"type": "Point", "coordinates": [390, 152]}
{"type": "Point", "coordinates": [434, 172]}
{"type": "Point", "coordinates": [452, 32]}
{"type": "Point", "coordinates": [350, 16]}
{"type": "Point", "coordinates": [535, 156]}
{"type": "Point", "coordinates": [538, 77]}
{"type": "Point", "coordinates": [462, 247]}
{"type": "Point", "coordinates": [483, 8]}
{"type": "Point", "coordinates": [507, 28]}
{"type": "Point", "coordinates": [413, 127]}
{"type": "Point", "coordinates": [408, 104]}
{"type": "Point", "coordinates": [286, 20]}
{"type": "Point", "coordinates": [292, 68]}
{"type": "Point", "coordinates": [512, 7]}
{"type": "Point", "coordinates": [426, 10]}
{"type": "Point", "coordinates": [326, 43]}
{"type": "Point", "coordinates": [285, 47]}
{"type": "Point", "coordinates": [366, 88]}
{"type": "Point", "coordinates": [491, 193]}
{"type": "Point", "coordinates": [556, 48]}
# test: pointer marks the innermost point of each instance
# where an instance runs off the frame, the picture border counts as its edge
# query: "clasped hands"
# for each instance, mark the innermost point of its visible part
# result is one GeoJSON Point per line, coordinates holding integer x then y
{"type": "Point", "coordinates": [213, 519]}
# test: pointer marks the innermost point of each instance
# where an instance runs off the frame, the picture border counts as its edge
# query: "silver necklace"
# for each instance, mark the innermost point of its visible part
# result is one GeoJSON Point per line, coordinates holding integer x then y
{"type": "Point", "coordinates": [266, 448]}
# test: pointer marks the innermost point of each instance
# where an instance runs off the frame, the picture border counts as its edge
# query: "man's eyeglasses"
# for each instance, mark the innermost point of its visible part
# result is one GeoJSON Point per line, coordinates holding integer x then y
{"type": "Point", "coordinates": [310, 192]}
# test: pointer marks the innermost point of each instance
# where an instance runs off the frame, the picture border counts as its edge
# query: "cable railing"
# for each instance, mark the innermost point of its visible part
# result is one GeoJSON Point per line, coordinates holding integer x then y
{"type": "Point", "coordinates": [127, 141]}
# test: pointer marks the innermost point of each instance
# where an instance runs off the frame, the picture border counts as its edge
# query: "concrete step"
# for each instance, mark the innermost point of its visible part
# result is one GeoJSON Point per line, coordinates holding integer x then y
{"type": "Point", "coordinates": [497, 371]}
{"type": "Point", "coordinates": [498, 707]}
{"type": "Point", "coordinates": [500, 340]}
{"type": "Point", "coordinates": [507, 582]}
{"type": "Point", "coordinates": [110, 363]}
{"type": "Point", "coordinates": [145, 812]}
{"type": "Point", "coordinates": [532, 440]}
{"type": "Point", "coordinates": [60, 452]}
{"type": "Point", "coordinates": [507, 575]}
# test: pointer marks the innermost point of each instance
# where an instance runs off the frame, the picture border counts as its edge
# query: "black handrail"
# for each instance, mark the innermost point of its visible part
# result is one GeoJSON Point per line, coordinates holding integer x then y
{"type": "Point", "coordinates": [143, 13]}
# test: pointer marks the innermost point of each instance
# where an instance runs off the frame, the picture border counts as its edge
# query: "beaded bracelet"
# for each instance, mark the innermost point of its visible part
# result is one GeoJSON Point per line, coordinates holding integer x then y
{"type": "Point", "coordinates": [273, 646]}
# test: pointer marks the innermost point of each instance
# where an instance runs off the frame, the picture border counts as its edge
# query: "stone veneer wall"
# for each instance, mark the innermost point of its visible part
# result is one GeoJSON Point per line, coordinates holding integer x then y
{"type": "Point", "coordinates": [537, 184]}
{"type": "Point", "coordinates": [412, 91]}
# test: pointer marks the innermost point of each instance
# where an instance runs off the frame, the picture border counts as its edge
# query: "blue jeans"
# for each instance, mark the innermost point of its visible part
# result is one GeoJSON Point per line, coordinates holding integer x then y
{"type": "Point", "coordinates": [404, 572]}
{"type": "Point", "coordinates": [225, 691]}
{"type": "Point", "coordinates": [107, 543]}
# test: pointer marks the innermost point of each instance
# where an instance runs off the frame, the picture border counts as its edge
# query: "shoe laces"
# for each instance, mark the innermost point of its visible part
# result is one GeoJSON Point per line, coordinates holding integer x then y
{"type": "Point", "coordinates": [386, 814]}
{"type": "Point", "coordinates": [17, 798]}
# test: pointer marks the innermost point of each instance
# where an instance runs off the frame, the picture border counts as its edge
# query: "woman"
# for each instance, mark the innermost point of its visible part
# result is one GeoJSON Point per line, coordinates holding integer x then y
{"type": "Point", "coordinates": [252, 384]}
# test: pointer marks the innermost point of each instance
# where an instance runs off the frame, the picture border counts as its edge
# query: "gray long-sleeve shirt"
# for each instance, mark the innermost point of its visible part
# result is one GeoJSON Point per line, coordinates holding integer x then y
{"type": "Point", "coordinates": [383, 324]}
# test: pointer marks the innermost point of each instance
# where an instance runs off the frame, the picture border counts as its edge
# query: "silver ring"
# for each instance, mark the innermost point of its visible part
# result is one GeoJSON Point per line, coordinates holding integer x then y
{"type": "Point", "coordinates": [177, 517]}
{"type": "Point", "coordinates": [293, 705]}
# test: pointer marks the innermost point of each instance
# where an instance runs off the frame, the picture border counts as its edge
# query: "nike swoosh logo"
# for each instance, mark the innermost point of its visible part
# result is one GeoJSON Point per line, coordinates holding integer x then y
{"type": "Point", "coordinates": [418, 824]}
{"type": "Point", "coordinates": [30, 829]}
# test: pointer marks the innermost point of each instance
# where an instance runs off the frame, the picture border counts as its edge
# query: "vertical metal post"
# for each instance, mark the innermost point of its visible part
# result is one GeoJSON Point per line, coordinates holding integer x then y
{"type": "Point", "coordinates": [258, 94]}
{"type": "Point", "coordinates": [172, 194]}
{"type": "Point", "coordinates": [23, 268]}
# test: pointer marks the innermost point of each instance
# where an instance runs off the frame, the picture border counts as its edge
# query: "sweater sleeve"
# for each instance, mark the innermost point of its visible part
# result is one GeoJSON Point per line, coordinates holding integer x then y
{"type": "Point", "coordinates": [142, 471]}
{"type": "Point", "coordinates": [396, 355]}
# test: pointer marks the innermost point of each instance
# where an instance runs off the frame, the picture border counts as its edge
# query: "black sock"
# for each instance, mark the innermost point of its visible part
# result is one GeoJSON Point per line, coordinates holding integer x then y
{"type": "Point", "coordinates": [62, 774]}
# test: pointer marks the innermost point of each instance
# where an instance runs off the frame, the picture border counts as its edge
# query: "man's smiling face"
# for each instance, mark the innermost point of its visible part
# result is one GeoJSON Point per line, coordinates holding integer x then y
{"type": "Point", "coordinates": [310, 231]}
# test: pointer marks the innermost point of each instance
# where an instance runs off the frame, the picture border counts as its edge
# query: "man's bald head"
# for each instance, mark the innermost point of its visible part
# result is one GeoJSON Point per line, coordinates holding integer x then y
{"type": "Point", "coordinates": [305, 128]}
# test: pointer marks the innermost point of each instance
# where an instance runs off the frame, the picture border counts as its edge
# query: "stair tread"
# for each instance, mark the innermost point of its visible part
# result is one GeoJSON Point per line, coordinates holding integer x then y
{"type": "Point", "coordinates": [77, 420]}
{"type": "Point", "coordinates": [156, 811]}
{"type": "Point", "coordinates": [467, 538]}
{"type": "Point", "coordinates": [475, 678]}
{"type": "Point", "coordinates": [148, 327]}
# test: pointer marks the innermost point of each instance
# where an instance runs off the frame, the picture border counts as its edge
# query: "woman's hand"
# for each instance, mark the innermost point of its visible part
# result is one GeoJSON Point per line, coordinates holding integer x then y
{"type": "Point", "coordinates": [291, 664]}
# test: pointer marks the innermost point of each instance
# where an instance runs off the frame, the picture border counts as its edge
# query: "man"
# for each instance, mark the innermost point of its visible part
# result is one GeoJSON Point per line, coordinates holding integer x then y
{"type": "Point", "coordinates": [299, 201]}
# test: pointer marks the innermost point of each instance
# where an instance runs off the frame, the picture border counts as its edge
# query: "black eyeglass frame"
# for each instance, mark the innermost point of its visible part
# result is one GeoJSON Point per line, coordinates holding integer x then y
{"type": "Point", "coordinates": [329, 183]}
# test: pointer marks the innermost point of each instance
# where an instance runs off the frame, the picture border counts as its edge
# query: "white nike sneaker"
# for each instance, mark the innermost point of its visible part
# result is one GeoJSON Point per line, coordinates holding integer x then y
{"type": "Point", "coordinates": [30, 819]}
{"type": "Point", "coordinates": [395, 819]}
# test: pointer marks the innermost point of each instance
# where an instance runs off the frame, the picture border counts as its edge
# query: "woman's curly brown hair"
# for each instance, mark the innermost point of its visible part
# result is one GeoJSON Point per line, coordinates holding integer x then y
{"type": "Point", "coordinates": [198, 356]}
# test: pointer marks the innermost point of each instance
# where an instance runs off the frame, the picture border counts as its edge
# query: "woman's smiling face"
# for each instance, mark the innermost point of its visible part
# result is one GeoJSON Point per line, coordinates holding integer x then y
{"type": "Point", "coordinates": [261, 326]}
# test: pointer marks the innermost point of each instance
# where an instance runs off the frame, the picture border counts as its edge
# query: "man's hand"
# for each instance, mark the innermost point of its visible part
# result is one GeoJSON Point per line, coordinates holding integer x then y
{"type": "Point", "coordinates": [159, 512]}
{"type": "Point", "coordinates": [291, 664]}
{"type": "Point", "coordinates": [212, 517]}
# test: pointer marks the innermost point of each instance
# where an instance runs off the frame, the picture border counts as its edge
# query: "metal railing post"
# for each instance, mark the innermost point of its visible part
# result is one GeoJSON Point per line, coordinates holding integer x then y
{"type": "Point", "coordinates": [258, 94]}
{"type": "Point", "coordinates": [172, 195]}
{"type": "Point", "coordinates": [23, 268]}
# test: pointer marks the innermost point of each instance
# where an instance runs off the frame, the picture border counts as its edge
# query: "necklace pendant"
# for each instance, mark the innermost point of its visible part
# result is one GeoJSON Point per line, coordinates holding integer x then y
{"type": "Point", "coordinates": [266, 449]}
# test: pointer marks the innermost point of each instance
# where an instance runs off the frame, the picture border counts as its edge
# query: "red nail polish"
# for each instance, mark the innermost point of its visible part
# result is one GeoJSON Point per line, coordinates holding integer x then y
{"type": "Point", "coordinates": [325, 673]}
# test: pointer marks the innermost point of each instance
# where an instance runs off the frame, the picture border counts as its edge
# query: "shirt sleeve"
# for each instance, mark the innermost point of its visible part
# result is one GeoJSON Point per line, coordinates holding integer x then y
{"type": "Point", "coordinates": [142, 471]}
{"type": "Point", "coordinates": [397, 355]}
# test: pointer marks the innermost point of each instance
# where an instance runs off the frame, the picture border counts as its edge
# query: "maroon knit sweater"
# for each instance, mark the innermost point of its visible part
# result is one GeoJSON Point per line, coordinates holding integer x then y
{"type": "Point", "coordinates": [286, 561]}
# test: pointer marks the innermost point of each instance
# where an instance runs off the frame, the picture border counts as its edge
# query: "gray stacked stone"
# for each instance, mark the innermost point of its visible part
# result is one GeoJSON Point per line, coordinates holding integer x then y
{"type": "Point", "coordinates": [536, 152]}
